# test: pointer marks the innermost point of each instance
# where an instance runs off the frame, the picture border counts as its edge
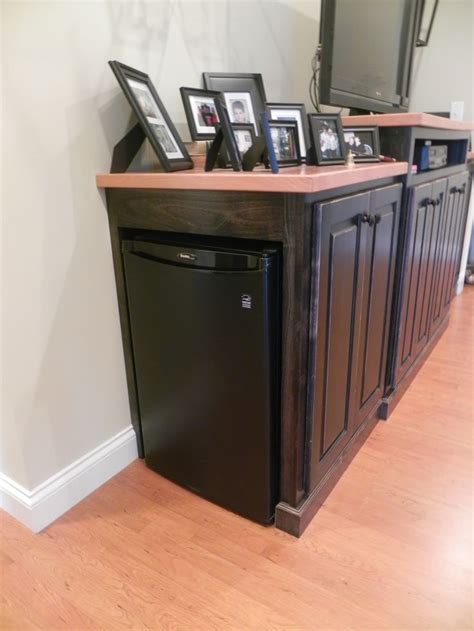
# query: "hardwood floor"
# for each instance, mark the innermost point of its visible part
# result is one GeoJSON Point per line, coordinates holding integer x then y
{"type": "Point", "coordinates": [390, 549]}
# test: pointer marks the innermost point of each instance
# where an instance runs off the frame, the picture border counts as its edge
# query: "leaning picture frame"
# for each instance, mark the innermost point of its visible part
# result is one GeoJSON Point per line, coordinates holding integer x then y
{"type": "Point", "coordinates": [363, 141]}
{"type": "Point", "coordinates": [327, 138]}
{"type": "Point", "coordinates": [297, 112]}
{"type": "Point", "coordinates": [153, 117]}
{"type": "Point", "coordinates": [231, 148]}
{"type": "Point", "coordinates": [243, 93]}
{"type": "Point", "coordinates": [200, 112]}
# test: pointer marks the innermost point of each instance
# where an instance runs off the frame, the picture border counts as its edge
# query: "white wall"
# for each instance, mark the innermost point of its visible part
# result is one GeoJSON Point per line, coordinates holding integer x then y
{"type": "Point", "coordinates": [444, 71]}
{"type": "Point", "coordinates": [64, 389]}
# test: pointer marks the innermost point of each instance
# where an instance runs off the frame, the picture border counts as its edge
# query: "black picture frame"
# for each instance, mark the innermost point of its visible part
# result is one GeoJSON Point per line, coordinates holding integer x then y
{"type": "Point", "coordinates": [287, 125]}
{"type": "Point", "coordinates": [231, 147]}
{"type": "Point", "coordinates": [363, 155]}
{"type": "Point", "coordinates": [332, 122]}
{"type": "Point", "coordinates": [243, 127]}
{"type": "Point", "coordinates": [272, 161]}
{"type": "Point", "coordinates": [239, 83]}
{"type": "Point", "coordinates": [146, 106]}
{"type": "Point", "coordinates": [303, 128]}
{"type": "Point", "coordinates": [188, 95]}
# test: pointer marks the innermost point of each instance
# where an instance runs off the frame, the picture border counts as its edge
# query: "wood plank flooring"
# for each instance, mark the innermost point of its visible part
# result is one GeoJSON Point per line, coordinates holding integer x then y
{"type": "Point", "coordinates": [390, 549]}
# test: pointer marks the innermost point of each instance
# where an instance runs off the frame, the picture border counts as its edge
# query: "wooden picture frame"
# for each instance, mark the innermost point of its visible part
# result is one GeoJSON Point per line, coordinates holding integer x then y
{"type": "Point", "coordinates": [153, 117]}
{"type": "Point", "coordinates": [246, 88]}
{"type": "Point", "coordinates": [365, 146]}
{"type": "Point", "coordinates": [195, 102]}
{"type": "Point", "coordinates": [296, 111]}
{"type": "Point", "coordinates": [327, 138]}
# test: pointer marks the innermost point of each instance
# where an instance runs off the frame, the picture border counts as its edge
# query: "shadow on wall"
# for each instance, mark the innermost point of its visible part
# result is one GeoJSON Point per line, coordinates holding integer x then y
{"type": "Point", "coordinates": [177, 41]}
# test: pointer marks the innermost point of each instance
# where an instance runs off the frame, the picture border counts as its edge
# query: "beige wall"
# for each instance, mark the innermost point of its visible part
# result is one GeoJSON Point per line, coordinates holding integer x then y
{"type": "Point", "coordinates": [443, 72]}
{"type": "Point", "coordinates": [64, 389]}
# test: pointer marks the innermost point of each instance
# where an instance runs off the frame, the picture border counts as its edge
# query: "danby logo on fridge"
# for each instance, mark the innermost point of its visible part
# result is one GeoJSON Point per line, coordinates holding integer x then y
{"type": "Point", "coordinates": [246, 301]}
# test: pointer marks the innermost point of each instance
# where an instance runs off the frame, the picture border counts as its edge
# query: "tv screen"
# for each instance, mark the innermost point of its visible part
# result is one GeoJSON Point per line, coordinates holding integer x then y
{"type": "Point", "coordinates": [366, 53]}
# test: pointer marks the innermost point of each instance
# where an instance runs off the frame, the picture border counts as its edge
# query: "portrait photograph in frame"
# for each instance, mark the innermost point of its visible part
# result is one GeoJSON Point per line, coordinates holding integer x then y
{"type": "Point", "coordinates": [153, 117]}
{"type": "Point", "coordinates": [364, 143]}
{"type": "Point", "coordinates": [293, 111]}
{"type": "Point", "coordinates": [327, 138]}
{"type": "Point", "coordinates": [244, 94]}
{"type": "Point", "coordinates": [200, 112]}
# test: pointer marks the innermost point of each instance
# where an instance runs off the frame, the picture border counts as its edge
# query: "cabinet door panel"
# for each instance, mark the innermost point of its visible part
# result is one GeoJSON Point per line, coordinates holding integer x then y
{"type": "Point", "coordinates": [417, 213]}
{"type": "Point", "coordinates": [425, 292]}
{"type": "Point", "coordinates": [457, 186]}
{"type": "Point", "coordinates": [371, 329]}
{"type": "Point", "coordinates": [342, 234]}
{"type": "Point", "coordinates": [451, 234]}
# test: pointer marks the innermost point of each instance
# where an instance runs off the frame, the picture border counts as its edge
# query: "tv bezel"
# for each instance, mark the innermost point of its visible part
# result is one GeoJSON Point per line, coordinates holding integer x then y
{"type": "Point", "coordinates": [328, 95]}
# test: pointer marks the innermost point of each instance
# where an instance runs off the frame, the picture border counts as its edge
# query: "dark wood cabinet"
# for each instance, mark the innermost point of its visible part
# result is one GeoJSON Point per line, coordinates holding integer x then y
{"type": "Point", "coordinates": [430, 250]}
{"type": "Point", "coordinates": [425, 210]}
{"type": "Point", "coordinates": [355, 242]}
{"type": "Point", "coordinates": [449, 247]}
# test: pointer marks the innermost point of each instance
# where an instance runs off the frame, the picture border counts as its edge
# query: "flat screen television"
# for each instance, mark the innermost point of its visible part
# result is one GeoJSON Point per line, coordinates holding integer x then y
{"type": "Point", "coordinates": [366, 51]}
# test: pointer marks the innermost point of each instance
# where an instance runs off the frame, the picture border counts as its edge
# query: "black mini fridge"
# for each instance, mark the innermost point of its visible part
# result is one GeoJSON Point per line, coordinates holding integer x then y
{"type": "Point", "coordinates": [205, 331]}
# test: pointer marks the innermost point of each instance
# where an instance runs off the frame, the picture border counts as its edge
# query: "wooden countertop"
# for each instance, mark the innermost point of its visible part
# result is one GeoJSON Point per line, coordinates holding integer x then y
{"type": "Point", "coordinates": [408, 119]}
{"type": "Point", "coordinates": [303, 179]}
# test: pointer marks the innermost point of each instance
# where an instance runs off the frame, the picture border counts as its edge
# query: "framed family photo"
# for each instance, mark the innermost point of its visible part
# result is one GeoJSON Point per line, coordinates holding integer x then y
{"type": "Point", "coordinates": [200, 112]}
{"type": "Point", "coordinates": [364, 143]}
{"type": "Point", "coordinates": [293, 111]}
{"type": "Point", "coordinates": [327, 138]}
{"type": "Point", "coordinates": [244, 95]}
{"type": "Point", "coordinates": [153, 117]}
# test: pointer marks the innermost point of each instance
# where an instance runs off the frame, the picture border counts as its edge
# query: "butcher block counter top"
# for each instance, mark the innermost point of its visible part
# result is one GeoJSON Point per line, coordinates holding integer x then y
{"type": "Point", "coordinates": [302, 179]}
{"type": "Point", "coordinates": [408, 119]}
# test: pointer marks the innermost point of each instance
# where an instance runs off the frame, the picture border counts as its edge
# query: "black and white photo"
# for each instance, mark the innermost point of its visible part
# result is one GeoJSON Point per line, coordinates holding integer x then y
{"type": "Point", "coordinates": [240, 108]}
{"type": "Point", "coordinates": [153, 117]}
{"type": "Point", "coordinates": [244, 94]}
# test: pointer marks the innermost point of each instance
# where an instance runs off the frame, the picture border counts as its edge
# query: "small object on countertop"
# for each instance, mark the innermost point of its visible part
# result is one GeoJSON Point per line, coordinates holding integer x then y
{"type": "Point", "coordinates": [414, 168]}
{"type": "Point", "coordinates": [387, 159]}
{"type": "Point", "coordinates": [350, 162]}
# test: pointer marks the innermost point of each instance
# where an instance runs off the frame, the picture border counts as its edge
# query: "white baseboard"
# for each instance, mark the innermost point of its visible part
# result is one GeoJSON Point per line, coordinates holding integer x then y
{"type": "Point", "coordinates": [38, 508]}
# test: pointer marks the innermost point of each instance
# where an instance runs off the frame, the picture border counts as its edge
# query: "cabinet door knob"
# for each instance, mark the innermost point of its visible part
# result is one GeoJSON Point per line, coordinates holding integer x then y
{"type": "Point", "coordinates": [377, 219]}
{"type": "Point", "coordinates": [365, 218]}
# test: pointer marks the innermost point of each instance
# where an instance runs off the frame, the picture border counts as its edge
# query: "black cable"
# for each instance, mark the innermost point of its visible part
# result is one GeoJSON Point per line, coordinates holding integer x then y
{"type": "Point", "coordinates": [314, 83]}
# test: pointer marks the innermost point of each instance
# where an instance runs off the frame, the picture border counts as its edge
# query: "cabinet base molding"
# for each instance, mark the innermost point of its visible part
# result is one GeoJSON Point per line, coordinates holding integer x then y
{"type": "Point", "coordinates": [294, 520]}
{"type": "Point", "coordinates": [390, 402]}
